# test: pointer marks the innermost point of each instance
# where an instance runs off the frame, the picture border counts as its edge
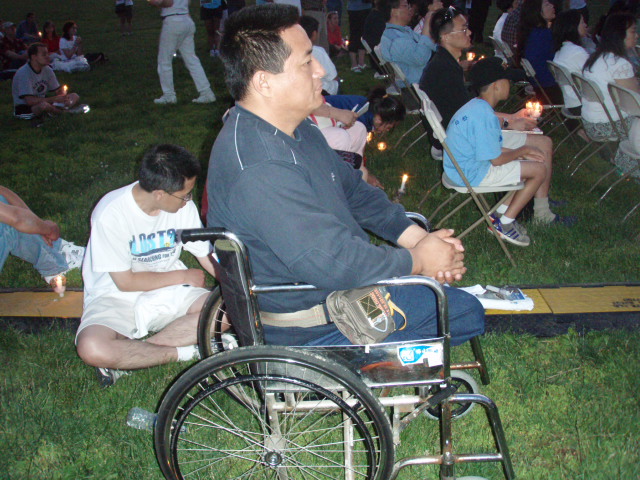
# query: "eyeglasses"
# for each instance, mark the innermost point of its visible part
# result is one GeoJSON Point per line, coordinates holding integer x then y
{"type": "Point", "coordinates": [464, 30]}
{"type": "Point", "coordinates": [186, 199]}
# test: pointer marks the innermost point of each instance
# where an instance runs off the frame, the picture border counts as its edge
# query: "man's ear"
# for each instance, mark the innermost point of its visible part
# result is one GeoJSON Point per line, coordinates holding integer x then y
{"type": "Point", "coordinates": [261, 83]}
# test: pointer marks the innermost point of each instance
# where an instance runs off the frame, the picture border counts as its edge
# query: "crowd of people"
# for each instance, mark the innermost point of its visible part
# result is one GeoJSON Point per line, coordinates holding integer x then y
{"type": "Point", "coordinates": [307, 158]}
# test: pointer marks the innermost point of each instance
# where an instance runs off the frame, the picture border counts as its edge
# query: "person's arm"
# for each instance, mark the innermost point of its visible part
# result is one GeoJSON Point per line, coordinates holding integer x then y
{"type": "Point", "coordinates": [517, 121]}
{"type": "Point", "coordinates": [405, 48]}
{"type": "Point", "coordinates": [15, 56]}
{"type": "Point", "coordinates": [207, 264]}
{"type": "Point", "coordinates": [18, 215]}
{"type": "Point", "coordinates": [276, 198]}
{"type": "Point", "coordinates": [347, 117]}
{"type": "Point", "coordinates": [525, 152]}
{"type": "Point", "coordinates": [630, 83]}
{"type": "Point", "coordinates": [129, 281]}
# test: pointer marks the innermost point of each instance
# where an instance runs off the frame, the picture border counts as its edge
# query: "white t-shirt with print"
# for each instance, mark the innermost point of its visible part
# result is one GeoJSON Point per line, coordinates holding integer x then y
{"type": "Point", "coordinates": [607, 68]}
{"type": "Point", "coordinates": [123, 238]}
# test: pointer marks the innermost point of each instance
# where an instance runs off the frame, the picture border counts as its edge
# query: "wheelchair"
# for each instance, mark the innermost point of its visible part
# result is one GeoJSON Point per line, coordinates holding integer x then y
{"type": "Point", "coordinates": [257, 411]}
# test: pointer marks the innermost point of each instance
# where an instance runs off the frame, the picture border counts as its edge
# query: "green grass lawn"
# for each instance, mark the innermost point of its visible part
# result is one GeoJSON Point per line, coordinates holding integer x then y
{"type": "Point", "coordinates": [569, 404]}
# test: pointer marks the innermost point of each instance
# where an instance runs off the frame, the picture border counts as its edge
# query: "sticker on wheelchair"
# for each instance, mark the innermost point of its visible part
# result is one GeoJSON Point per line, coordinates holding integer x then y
{"type": "Point", "coordinates": [414, 354]}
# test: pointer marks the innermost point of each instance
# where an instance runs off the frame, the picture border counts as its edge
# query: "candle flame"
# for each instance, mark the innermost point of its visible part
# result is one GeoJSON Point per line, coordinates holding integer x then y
{"type": "Point", "coordinates": [382, 146]}
{"type": "Point", "coordinates": [470, 56]}
{"type": "Point", "coordinates": [405, 177]}
{"type": "Point", "coordinates": [369, 136]}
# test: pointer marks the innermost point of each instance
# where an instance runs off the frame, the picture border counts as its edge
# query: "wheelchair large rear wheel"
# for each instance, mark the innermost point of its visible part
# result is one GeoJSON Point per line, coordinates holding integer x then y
{"type": "Point", "coordinates": [210, 324]}
{"type": "Point", "coordinates": [272, 412]}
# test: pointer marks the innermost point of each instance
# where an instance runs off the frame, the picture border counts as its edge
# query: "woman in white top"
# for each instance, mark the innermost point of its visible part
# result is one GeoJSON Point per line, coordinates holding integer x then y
{"type": "Point", "coordinates": [609, 64]}
{"type": "Point", "coordinates": [568, 31]}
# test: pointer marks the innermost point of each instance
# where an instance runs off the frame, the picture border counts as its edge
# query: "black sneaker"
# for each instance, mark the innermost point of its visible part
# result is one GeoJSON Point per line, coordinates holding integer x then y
{"type": "Point", "coordinates": [109, 376]}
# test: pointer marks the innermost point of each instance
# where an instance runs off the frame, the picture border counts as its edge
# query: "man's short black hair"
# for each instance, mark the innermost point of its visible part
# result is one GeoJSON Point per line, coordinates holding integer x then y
{"type": "Point", "coordinates": [166, 167]}
{"type": "Point", "coordinates": [252, 42]}
{"type": "Point", "coordinates": [309, 24]}
{"type": "Point", "coordinates": [442, 22]}
{"type": "Point", "coordinates": [33, 49]}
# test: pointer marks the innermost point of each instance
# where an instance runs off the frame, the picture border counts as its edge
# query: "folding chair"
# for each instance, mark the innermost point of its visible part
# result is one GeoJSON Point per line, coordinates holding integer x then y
{"type": "Point", "coordinates": [376, 63]}
{"type": "Point", "coordinates": [590, 92]}
{"type": "Point", "coordinates": [563, 79]}
{"type": "Point", "coordinates": [475, 194]}
{"type": "Point", "coordinates": [626, 102]}
{"type": "Point", "coordinates": [388, 71]}
{"type": "Point", "coordinates": [551, 110]}
{"type": "Point", "coordinates": [265, 411]}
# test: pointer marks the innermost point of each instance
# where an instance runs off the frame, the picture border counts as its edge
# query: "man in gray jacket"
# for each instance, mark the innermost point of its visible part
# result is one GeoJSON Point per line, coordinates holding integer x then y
{"type": "Point", "coordinates": [301, 211]}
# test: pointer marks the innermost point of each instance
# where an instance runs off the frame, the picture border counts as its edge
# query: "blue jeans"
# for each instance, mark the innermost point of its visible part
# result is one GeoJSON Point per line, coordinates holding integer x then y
{"type": "Point", "coordinates": [31, 248]}
{"type": "Point", "coordinates": [466, 320]}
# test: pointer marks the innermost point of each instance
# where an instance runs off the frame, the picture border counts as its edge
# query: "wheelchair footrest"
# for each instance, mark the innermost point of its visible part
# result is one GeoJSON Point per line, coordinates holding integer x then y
{"type": "Point", "coordinates": [442, 395]}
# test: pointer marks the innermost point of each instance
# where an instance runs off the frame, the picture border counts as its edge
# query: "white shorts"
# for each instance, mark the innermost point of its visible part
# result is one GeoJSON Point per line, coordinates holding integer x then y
{"type": "Point", "coordinates": [501, 175]}
{"type": "Point", "coordinates": [135, 315]}
{"type": "Point", "coordinates": [512, 139]}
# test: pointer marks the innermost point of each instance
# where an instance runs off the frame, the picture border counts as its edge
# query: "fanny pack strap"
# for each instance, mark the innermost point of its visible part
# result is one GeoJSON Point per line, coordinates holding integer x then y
{"type": "Point", "coordinates": [311, 317]}
{"type": "Point", "coordinates": [394, 308]}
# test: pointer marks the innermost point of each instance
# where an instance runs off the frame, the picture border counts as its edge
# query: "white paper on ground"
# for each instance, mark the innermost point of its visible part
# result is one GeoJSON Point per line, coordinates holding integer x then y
{"type": "Point", "coordinates": [495, 304]}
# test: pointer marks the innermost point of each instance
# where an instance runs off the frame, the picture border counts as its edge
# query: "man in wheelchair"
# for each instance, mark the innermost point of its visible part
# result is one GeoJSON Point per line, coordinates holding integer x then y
{"type": "Point", "coordinates": [300, 210]}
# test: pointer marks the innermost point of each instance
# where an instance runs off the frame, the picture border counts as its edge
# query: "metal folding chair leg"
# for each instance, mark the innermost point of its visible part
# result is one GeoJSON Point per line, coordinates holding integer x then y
{"type": "Point", "coordinates": [416, 125]}
{"type": "Point", "coordinates": [422, 135]}
{"type": "Point", "coordinates": [603, 145]}
{"type": "Point", "coordinates": [622, 178]}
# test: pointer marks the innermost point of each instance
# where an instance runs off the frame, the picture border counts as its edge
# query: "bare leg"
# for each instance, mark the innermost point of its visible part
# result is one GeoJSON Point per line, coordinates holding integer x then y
{"type": "Point", "coordinates": [545, 144]}
{"type": "Point", "coordinates": [533, 174]}
{"type": "Point", "coordinates": [100, 346]}
{"type": "Point", "coordinates": [354, 62]}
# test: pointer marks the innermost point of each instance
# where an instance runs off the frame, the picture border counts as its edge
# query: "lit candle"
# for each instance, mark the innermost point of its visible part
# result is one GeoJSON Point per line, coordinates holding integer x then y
{"type": "Point", "coordinates": [382, 146]}
{"type": "Point", "coordinates": [529, 109]}
{"type": "Point", "coordinates": [59, 284]}
{"type": "Point", "coordinates": [537, 110]}
{"type": "Point", "coordinates": [403, 184]}
{"type": "Point", "coordinates": [481, 57]}
{"type": "Point", "coordinates": [369, 136]}
{"type": "Point", "coordinates": [40, 34]}
{"type": "Point", "coordinates": [346, 42]}
{"type": "Point", "coordinates": [470, 56]}
{"type": "Point", "coordinates": [64, 89]}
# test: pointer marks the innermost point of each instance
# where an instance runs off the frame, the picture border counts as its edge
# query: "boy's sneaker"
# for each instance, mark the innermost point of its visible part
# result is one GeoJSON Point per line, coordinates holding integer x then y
{"type": "Point", "coordinates": [356, 69]}
{"type": "Point", "coordinates": [166, 100]}
{"type": "Point", "coordinates": [511, 232]}
{"type": "Point", "coordinates": [109, 376]}
{"type": "Point", "coordinates": [73, 254]}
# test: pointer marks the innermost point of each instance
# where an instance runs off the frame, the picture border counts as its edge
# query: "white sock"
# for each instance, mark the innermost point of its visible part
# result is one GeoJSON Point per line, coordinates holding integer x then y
{"type": "Point", "coordinates": [506, 220]}
{"type": "Point", "coordinates": [188, 353]}
{"type": "Point", "coordinates": [502, 209]}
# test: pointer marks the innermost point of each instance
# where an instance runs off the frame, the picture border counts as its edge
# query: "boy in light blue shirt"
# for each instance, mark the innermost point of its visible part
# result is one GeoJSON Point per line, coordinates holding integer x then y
{"type": "Point", "coordinates": [475, 138]}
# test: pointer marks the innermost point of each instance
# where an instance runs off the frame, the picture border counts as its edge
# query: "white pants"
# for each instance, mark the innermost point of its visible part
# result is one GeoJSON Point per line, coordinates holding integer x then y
{"type": "Point", "coordinates": [177, 35]}
{"type": "Point", "coordinates": [351, 139]}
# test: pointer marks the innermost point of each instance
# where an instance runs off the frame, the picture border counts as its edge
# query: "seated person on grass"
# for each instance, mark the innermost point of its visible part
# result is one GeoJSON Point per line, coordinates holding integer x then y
{"type": "Point", "coordinates": [31, 84]}
{"type": "Point", "coordinates": [37, 241]}
{"type": "Point", "coordinates": [134, 281]}
{"type": "Point", "coordinates": [475, 139]}
{"type": "Point", "coordinates": [13, 51]}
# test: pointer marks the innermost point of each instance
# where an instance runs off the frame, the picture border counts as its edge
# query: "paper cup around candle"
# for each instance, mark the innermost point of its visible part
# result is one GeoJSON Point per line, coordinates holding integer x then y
{"type": "Point", "coordinates": [470, 56]}
{"type": "Point", "coordinates": [382, 146]}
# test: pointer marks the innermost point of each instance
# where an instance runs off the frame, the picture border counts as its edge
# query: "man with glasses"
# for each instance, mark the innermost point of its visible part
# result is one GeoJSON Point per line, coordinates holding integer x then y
{"type": "Point", "coordinates": [134, 281]}
{"type": "Point", "coordinates": [443, 79]}
{"type": "Point", "coordinates": [411, 51]}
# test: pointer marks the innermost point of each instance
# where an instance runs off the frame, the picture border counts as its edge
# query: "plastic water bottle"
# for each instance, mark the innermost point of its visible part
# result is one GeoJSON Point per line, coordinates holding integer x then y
{"type": "Point", "coordinates": [141, 419]}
